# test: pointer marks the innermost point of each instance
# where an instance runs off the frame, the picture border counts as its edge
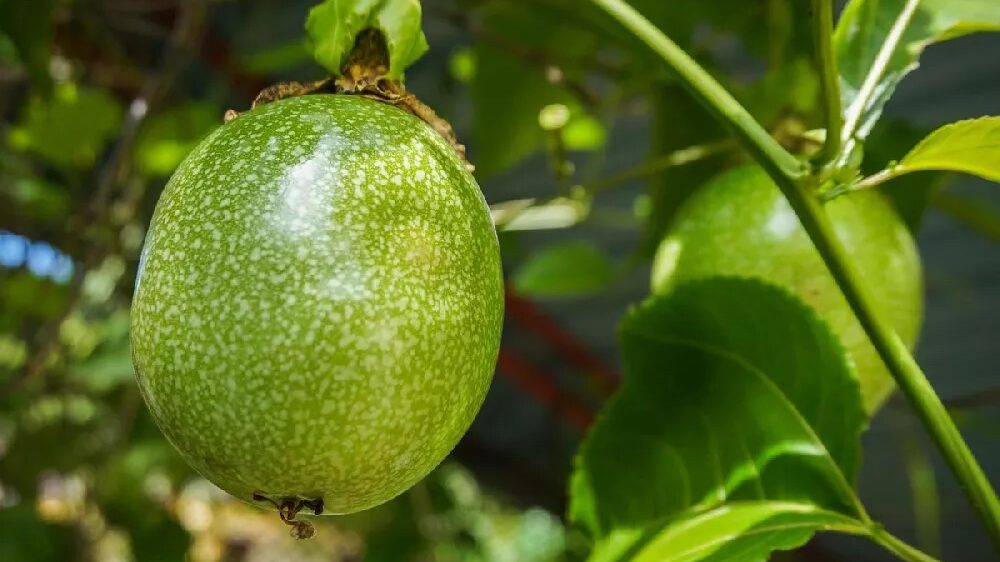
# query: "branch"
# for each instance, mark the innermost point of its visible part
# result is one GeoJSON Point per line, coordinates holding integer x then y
{"type": "Point", "coordinates": [660, 163]}
{"type": "Point", "coordinates": [576, 207]}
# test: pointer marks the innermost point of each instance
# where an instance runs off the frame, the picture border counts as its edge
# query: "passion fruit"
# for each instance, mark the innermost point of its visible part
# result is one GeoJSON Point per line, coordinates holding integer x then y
{"type": "Point", "coordinates": [318, 306]}
{"type": "Point", "coordinates": [740, 224]}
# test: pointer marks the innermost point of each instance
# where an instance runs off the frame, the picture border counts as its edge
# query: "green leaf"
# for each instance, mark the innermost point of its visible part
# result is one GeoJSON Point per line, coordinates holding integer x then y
{"type": "Point", "coordinates": [104, 371]}
{"type": "Point", "coordinates": [333, 26]}
{"type": "Point", "coordinates": [29, 26]}
{"type": "Point", "coordinates": [737, 532]}
{"type": "Point", "coordinates": [677, 441]}
{"type": "Point", "coordinates": [572, 269]}
{"type": "Point", "coordinates": [122, 490]}
{"type": "Point", "coordinates": [399, 20]}
{"type": "Point", "coordinates": [71, 128]}
{"type": "Point", "coordinates": [502, 85]}
{"type": "Point", "coordinates": [866, 27]}
{"type": "Point", "coordinates": [507, 85]}
{"type": "Point", "coordinates": [971, 147]}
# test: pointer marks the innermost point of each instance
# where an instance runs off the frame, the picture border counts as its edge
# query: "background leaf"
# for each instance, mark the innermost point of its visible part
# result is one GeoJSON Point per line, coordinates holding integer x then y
{"type": "Point", "coordinates": [166, 138]}
{"type": "Point", "coordinates": [505, 84]}
{"type": "Point", "coordinates": [71, 128]}
{"type": "Point", "coordinates": [669, 445]}
{"type": "Point", "coordinates": [571, 269]}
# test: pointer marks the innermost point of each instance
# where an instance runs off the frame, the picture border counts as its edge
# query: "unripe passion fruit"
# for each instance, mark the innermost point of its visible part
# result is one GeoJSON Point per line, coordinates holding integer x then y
{"type": "Point", "coordinates": [319, 301]}
{"type": "Point", "coordinates": [740, 224]}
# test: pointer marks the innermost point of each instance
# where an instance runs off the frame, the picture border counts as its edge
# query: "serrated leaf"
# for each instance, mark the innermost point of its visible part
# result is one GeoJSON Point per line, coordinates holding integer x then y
{"type": "Point", "coordinates": [734, 391]}
{"type": "Point", "coordinates": [971, 146]}
{"type": "Point", "coordinates": [572, 269]}
{"type": "Point", "coordinates": [866, 27]}
{"type": "Point", "coordinates": [333, 26]}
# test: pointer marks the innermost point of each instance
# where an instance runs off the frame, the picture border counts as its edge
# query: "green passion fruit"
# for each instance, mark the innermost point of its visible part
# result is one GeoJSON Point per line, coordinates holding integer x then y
{"type": "Point", "coordinates": [740, 224]}
{"type": "Point", "coordinates": [318, 306]}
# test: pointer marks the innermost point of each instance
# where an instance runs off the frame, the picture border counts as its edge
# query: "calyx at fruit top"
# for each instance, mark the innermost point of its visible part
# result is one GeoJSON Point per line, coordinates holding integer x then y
{"type": "Point", "coordinates": [364, 74]}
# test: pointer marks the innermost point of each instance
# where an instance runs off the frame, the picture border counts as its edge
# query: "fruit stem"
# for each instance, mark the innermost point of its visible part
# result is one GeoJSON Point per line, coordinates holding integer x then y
{"type": "Point", "coordinates": [289, 508]}
{"type": "Point", "coordinates": [796, 183]}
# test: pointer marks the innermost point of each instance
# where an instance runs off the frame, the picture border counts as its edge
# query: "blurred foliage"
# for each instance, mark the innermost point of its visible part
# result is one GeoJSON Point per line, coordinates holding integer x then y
{"type": "Point", "coordinates": [166, 138]}
{"type": "Point", "coordinates": [29, 27]}
{"type": "Point", "coordinates": [571, 269]}
{"type": "Point", "coordinates": [70, 128]}
{"type": "Point", "coordinates": [84, 153]}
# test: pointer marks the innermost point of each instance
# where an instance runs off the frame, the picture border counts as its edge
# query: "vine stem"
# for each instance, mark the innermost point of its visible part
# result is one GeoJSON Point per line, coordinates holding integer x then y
{"type": "Point", "coordinates": [822, 28]}
{"type": "Point", "coordinates": [795, 180]}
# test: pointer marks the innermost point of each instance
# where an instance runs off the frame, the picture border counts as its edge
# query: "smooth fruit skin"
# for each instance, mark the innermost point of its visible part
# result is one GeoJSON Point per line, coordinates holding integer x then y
{"type": "Point", "coordinates": [319, 301]}
{"type": "Point", "coordinates": [740, 224]}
